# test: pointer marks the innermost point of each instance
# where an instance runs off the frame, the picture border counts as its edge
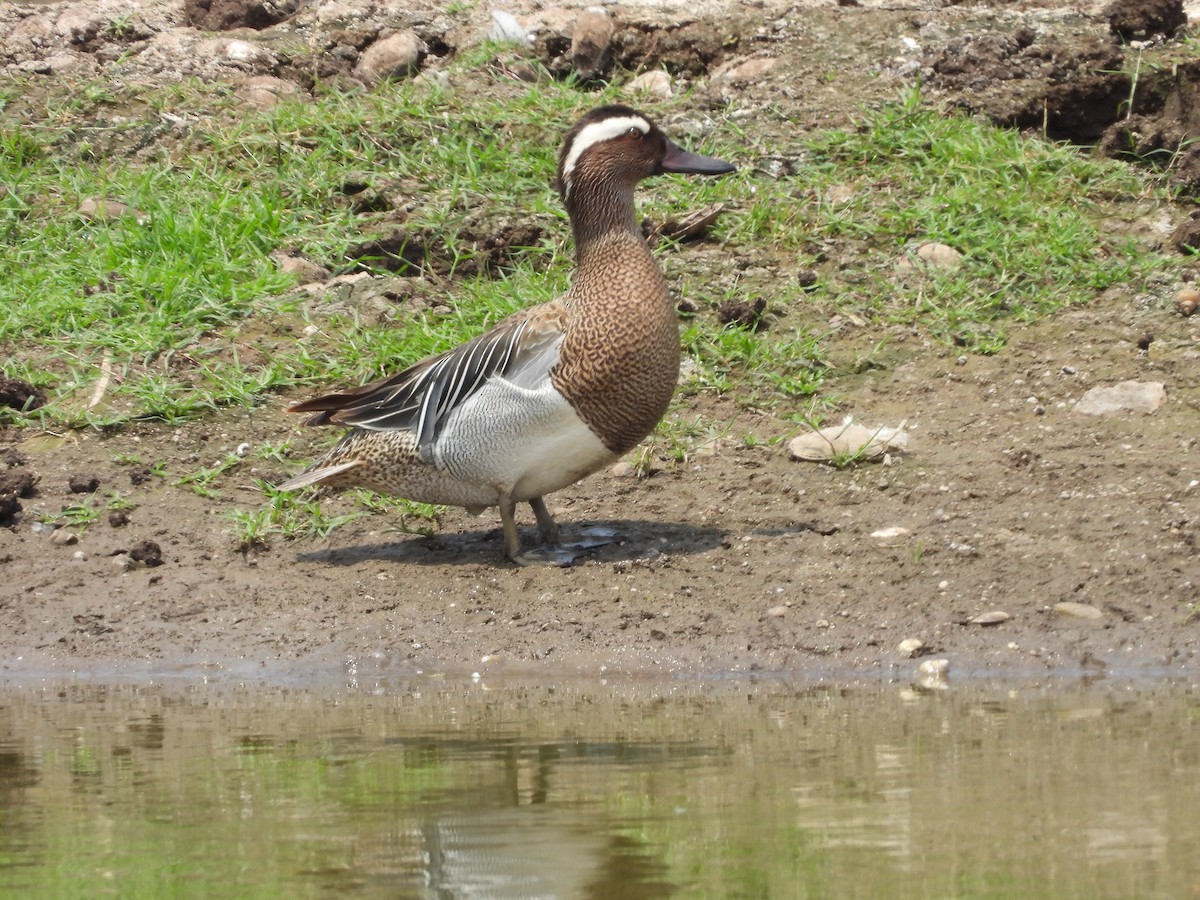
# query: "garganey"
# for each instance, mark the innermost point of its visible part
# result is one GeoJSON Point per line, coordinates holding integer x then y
{"type": "Point", "coordinates": [550, 394]}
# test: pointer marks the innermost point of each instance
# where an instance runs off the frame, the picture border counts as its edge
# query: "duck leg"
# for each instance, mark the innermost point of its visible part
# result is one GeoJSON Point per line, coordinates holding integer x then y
{"type": "Point", "coordinates": [512, 540]}
{"type": "Point", "coordinates": [547, 527]}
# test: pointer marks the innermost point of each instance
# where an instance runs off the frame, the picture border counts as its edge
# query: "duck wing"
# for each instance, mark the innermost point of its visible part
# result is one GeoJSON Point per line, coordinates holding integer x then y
{"type": "Point", "coordinates": [522, 349]}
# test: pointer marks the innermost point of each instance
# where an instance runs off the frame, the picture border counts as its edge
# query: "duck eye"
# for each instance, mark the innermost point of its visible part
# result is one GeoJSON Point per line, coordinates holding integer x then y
{"type": "Point", "coordinates": [634, 133]}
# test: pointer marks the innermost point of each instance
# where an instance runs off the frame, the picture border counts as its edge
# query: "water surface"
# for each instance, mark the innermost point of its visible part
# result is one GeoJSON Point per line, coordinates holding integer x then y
{"type": "Point", "coordinates": [458, 789]}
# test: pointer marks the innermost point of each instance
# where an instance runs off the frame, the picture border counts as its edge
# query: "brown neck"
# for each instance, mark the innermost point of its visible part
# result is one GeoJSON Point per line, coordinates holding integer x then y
{"type": "Point", "coordinates": [600, 208]}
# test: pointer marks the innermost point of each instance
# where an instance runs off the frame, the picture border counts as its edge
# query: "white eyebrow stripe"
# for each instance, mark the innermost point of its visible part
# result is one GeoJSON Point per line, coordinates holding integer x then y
{"type": "Point", "coordinates": [604, 130]}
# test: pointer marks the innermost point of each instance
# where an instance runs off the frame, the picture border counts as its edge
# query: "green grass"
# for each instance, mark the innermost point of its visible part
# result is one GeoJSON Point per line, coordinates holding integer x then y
{"type": "Point", "coordinates": [190, 313]}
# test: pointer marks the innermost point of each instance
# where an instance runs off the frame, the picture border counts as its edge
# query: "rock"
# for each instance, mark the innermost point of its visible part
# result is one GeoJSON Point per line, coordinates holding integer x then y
{"type": "Point", "coordinates": [995, 617]}
{"type": "Point", "coordinates": [123, 561]}
{"type": "Point", "coordinates": [394, 56]}
{"type": "Point", "coordinates": [622, 469]}
{"type": "Point", "coordinates": [240, 54]}
{"type": "Point", "coordinates": [304, 269]}
{"type": "Point", "coordinates": [102, 209]}
{"type": "Point", "coordinates": [910, 647]}
{"type": "Point", "coordinates": [83, 484]}
{"type": "Point", "coordinates": [777, 612]}
{"type": "Point", "coordinates": [933, 674]}
{"type": "Point", "coordinates": [847, 440]}
{"type": "Point", "coordinates": [1126, 397]}
{"type": "Point", "coordinates": [507, 30]}
{"type": "Point", "coordinates": [655, 84]}
{"type": "Point", "coordinates": [892, 531]}
{"type": "Point", "coordinates": [1187, 300]}
{"type": "Point", "coordinates": [1078, 610]}
{"type": "Point", "coordinates": [744, 71]}
{"type": "Point", "coordinates": [434, 79]}
{"type": "Point", "coordinates": [932, 254]}
{"type": "Point", "coordinates": [264, 91]}
{"type": "Point", "coordinates": [590, 52]}
{"type": "Point", "coordinates": [64, 538]}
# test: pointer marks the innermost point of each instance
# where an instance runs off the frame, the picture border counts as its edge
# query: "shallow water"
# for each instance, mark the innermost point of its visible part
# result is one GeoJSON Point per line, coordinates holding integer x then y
{"type": "Point", "coordinates": [586, 789]}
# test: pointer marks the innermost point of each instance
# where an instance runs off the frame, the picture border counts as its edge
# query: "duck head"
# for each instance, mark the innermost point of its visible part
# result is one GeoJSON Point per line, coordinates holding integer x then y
{"type": "Point", "coordinates": [616, 147]}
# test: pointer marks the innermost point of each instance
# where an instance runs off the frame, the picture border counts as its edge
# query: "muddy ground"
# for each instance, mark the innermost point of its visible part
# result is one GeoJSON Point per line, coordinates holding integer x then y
{"type": "Point", "coordinates": [738, 560]}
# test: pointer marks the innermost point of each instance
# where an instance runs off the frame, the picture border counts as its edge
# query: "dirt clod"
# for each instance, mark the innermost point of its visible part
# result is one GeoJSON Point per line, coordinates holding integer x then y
{"type": "Point", "coordinates": [20, 395]}
{"type": "Point", "coordinates": [1141, 19]}
{"type": "Point", "coordinates": [743, 313]}
{"type": "Point", "coordinates": [83, 483]}
{"type": "Point", "coordinates": [148, 553]}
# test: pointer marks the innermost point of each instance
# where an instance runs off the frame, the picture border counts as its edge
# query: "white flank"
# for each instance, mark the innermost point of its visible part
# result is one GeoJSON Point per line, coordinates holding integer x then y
{"type": "Point", "coordinates": [604, 130]}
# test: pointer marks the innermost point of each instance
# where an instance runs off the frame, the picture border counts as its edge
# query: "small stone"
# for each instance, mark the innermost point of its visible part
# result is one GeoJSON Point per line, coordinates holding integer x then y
{"type": "Point", "coordinates": [591, 43]}
{"type": "Point", "coordinates": [265, 91]}
{"type": "Point", "coordinates": [1078, 610]}
{"type": "Point", "coordinates": [123, 561]}
{"type": "Point", "coordinates": [744, 71]}
{"type": "Point", "coordinates": [933, 674]}
{"type": "Point", "coordinates": [507, 30]}
{"type": "Point", "coordinates": [304, 269]}
{"type": "Point", "coordinates": [656, 83]}
{"type": "Point", "coordinates": [932, 254]}
{"type": "Point", "coordinates": [892, 531]}
{"type": "Point", "coordinates": [1125, 397]}
{"type": "Point", "coordinates": [939, 668]}
{"type": "Point", "coordinates": [79, 554]}
{"type": "Point", "coordinates": [822, 623]}
{"type": "Point", "coordinates": [102, 209]}
{"type": "Point", "coordinates": [777, 612]}
{"type": "Point", "coordinates": [64, 538]}
{"type": "Point", "coordinates": [995, 617]}
{"type": "Point", "coordinates": [622, 469]}
{"type": "Point", "coordinates": [910, 647]}
{"type": "Point", "coordinates": [1187, 300]}
{"type": "Point", "coordinates": [394, 56]}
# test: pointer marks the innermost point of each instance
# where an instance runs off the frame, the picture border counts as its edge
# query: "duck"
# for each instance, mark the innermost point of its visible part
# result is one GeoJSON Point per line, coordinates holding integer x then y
{"type": "Point", "coordinates": [550, 394]}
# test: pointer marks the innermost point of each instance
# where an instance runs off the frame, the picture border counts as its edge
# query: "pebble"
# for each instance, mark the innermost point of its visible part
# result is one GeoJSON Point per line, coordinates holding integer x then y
{"type": "Point", "coordinates": [656, 83]}
{"type": "Point", "coordinates": [102, 209]}
{"type": "Point", "coordinates": [1078, 610]}
{"type": "Point", "coordinates": [910, 647]}
{"type": "Point", "coordinates": [995, 617]}
{"type": "Point", "coordinates": [622, 469]}
{"type": "Point", "coordinates": [822, 623]}
{"type": "Point", "coordinates": [1187, 300]}
{"type": "Point", "coordinates": [506, 29]}
{"type": "Point", "coordinates": [934, 673]}
{"type": "Point", "coordinates": [590, 40]}
{"type": "Point", "coordinates": [64, 538]}
{"type": "Point", "coordinates": [892, 531]}
{"type": "Point", "coordinates": [123, 561]}
{"type": "Point", "coordinates": [1125, 397]}
{"type": "Point", "coordinates": [777, 612]}
{"type": "Point", "coordinates": [934, 254]}
{"type": "Point", "coordinates": [397, 55]}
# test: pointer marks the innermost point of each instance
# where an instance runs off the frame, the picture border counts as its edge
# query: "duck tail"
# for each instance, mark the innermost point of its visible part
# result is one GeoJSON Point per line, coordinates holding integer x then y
{"type": "Point", "coordinates": [316, 475]}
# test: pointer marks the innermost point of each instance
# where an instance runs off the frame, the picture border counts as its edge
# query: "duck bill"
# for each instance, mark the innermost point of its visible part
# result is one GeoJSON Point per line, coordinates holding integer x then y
{"type": "Point", "coordinates": [677, 159]}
